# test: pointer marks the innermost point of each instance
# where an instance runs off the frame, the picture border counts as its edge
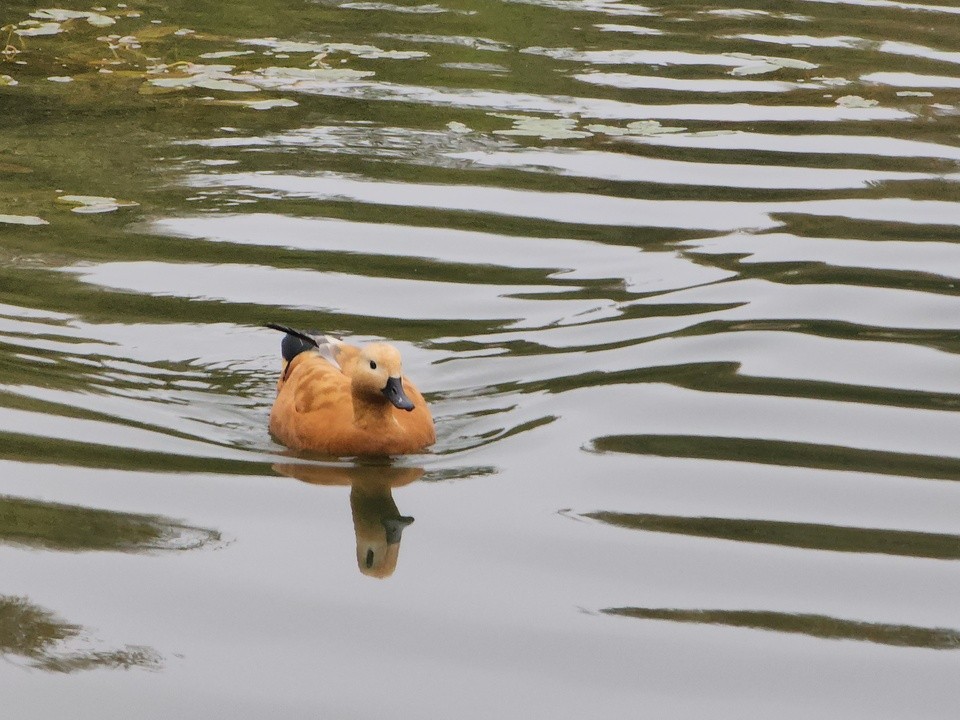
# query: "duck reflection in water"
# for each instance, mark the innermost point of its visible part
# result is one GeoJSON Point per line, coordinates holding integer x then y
{"type": "Point", "coordinates": [376, 519]}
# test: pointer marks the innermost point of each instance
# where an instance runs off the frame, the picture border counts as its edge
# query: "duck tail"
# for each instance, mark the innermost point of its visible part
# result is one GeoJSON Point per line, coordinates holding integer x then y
{"type": "Point", "coordinates": [294, 342]}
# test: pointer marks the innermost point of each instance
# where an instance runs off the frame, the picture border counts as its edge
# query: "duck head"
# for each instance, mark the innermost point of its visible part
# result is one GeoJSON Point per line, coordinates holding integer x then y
{"type": "Point", "coordinates": [379, 372]}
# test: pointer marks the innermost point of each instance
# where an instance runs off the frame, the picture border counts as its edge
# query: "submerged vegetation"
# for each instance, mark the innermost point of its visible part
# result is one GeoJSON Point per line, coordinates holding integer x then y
{"type": "Point", "coordinates": [52, 526]}
{"type": "Point", "coordinates": [49, 643]}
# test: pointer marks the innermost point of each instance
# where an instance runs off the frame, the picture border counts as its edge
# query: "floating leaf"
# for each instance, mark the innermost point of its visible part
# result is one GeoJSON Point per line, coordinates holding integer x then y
{"type": "Point", "coordinates": [94, 209]}
{"type": "Point", "coordinates": [651, 127]}
{"type": "Point", "coordinates": [173, 83]}
{"type": "Point", "coordinates": [326, 74]}
{"type": "Point", "coordinates": [855, 101]}
{"type": "Point", "coordinates": [225, 54]}
{"type": "Point", "coordinates": [58, 15]}
{"type": "Point", "coordinates": [394, 55]}
{"type": "Point", "coordinates": [94, 203]}
{"type": "Point", "coordinates": [328, 48]}
{"type": "Point", "coordinates": [225, 85]}
{"type": "Point", "coordinates": [259, 104]}
{"type": "Point", "coordinates": [7, 81]}
{"type": "Point", "coordinates": [50, 28]}
{"type": "Point", "coordinates": [607, 129]}
{"type": "Point", "coordinates": [367, 52]}
{"type": "Point", "coordinates": [773, 60]}
{"type": "Point", "coordinates": [22, 220]}
{"type": "Point", "coordinates": [415, 9]}
{"type": "Point", "coordinates": [98, 20]}
{"type": "Point", "coordinates": [544, 128]}
{"type": "Point", "coordinates": [286, 46]}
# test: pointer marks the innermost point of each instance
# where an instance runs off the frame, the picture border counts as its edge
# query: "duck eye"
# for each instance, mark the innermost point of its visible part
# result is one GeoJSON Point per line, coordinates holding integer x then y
{"type": "Point", "coordinates": [373, 365]}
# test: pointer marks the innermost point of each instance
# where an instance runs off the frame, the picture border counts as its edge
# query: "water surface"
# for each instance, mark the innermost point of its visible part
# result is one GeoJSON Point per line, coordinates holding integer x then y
{"type": "Point", "coordinates": [679, 282]}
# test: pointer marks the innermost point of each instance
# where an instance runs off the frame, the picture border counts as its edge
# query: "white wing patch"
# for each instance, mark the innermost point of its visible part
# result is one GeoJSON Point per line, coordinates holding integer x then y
{"type": "Point", "coordinates": [327, 348]}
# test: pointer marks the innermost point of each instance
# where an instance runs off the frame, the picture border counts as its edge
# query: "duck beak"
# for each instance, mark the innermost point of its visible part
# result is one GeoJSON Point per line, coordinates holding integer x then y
{"type": "Point", "coordinates": [396, 395]}
{"type": "Point", "coordinates": [394, 527]}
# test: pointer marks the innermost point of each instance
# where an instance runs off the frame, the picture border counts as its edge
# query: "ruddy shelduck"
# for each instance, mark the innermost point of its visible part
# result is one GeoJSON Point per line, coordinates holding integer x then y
{"type": "Point", "coordinates": [337, 399]}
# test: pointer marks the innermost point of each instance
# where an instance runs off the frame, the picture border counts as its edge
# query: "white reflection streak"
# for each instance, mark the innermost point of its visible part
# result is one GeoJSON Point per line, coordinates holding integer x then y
{"type": "Point", "coordinates": [892, 4]}
{"type": "Point", "coordinates": [641, 271]}
{"type": "Point", "coordinates": [878, 146]}
{"type": "Point", "coordinates": [919, 51]}
{"type": "Point", "coordinates": [587, 209]}
{"type": "Point", "coordinates": [906, 79]}
{"type": "Point", "coordinates": [859, 305]}
{"type": "Point", "coordinates": [627, 81]}
{"type": "Point", "coordinates": [579, 208]}
{"type": "Point", "coordinates": [607, 7]}
{"type": "Point", "coordinates": [342, 293]}
{"type": "Point", "coordinates": [98, 432]}
{"type": "Point", "coordinates": [935, 258]}
{"type": "Point", "coordinates": [613, 166]}
{"type": "Point", "coordinates": [566, 105]}
{"type": "Point", "coordinates": [836, 41]}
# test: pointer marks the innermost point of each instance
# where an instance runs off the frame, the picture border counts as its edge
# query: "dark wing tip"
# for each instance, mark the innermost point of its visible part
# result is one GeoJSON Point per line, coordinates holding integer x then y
{"type": "Point", "coordinates": [294, 343]}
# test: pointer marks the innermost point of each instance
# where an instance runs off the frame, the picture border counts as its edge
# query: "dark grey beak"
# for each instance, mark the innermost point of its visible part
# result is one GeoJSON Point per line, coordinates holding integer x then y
{"type": "Point", "coordinates": [394, 528]}
{"type": "Point", "coordinates": [396, 395]}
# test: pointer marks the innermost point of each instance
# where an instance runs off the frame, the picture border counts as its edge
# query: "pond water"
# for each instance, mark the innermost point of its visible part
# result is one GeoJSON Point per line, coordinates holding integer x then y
{"type": "Point", "coordinates": [680, 283]}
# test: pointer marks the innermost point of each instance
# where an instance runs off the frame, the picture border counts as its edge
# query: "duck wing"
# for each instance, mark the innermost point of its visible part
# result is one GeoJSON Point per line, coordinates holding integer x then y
{"type": "Point", "coordinates": [295, 342]}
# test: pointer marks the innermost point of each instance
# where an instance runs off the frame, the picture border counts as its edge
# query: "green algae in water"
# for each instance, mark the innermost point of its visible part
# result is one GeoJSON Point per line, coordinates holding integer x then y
{"type": "Point", "coordinates": [43, 639]}
{"type": "Point", "coordinates": [71, 528]}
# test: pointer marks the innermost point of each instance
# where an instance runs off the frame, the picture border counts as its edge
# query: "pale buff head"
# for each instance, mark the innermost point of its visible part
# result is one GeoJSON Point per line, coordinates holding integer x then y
{"type": "Point", "coordinates": [378, 373]}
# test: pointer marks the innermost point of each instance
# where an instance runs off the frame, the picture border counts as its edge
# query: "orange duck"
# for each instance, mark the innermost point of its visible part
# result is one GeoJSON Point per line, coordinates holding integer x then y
{"type": "Point", "coordinates": [338, 399]}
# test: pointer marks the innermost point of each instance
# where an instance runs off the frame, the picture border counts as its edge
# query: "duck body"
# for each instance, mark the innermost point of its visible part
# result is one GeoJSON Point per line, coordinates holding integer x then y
{"type": "Point", "coordinates": [341, 400]}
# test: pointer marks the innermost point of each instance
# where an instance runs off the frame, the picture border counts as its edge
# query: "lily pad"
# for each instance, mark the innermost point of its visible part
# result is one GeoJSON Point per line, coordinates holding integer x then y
{"type": "Point", "coordinates": [22, 220]}
{"type": "Point", "coordinates": [49, 28]}
{"type": "Point", "coordinates": [98, 20]}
